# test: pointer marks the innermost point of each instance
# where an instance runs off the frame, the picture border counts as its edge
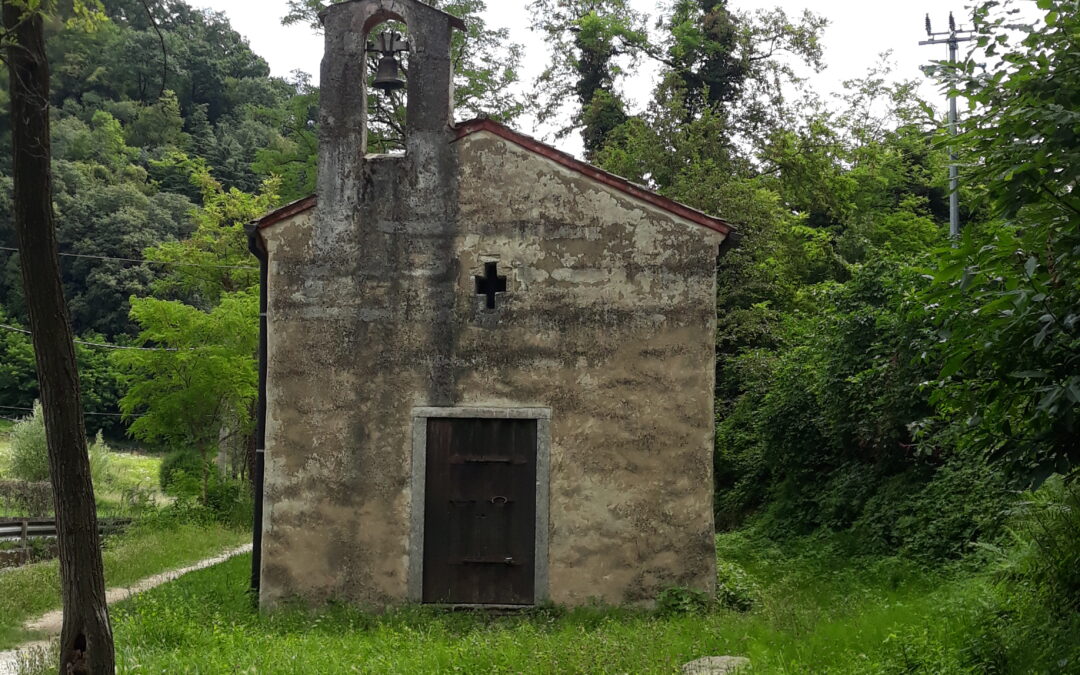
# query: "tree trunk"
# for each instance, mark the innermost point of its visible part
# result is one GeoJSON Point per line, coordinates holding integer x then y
{"type": "Point", "coordinates": [86, 644]}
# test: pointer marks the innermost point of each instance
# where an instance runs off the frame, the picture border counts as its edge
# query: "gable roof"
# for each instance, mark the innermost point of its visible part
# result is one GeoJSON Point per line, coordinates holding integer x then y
{"type": "Point", "coordinates": [599, 175]}
{"type": "Point", "coordinates": [559, 157]}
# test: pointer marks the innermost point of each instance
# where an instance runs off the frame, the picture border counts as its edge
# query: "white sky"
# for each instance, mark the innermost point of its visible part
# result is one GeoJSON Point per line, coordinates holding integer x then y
{"type": "Point", "coordinates": [859, 31]}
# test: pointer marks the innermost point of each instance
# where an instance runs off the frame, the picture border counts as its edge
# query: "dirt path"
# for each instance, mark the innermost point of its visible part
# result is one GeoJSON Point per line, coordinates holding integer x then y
{"type": "Point", "coordinates": [50, 623]}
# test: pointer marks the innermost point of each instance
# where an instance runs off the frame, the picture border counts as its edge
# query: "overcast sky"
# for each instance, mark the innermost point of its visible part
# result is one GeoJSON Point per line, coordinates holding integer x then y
{"type": "Point", "coordinates": [859, 30]}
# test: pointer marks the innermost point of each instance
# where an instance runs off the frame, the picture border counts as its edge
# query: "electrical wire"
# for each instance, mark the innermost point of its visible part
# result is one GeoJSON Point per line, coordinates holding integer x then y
{"type": "Point", "coordinates": [148, 262]}
{"type": "Point", "coordinates": [100, 414]}
{"type": "Point", "coordinates": [103, 345]}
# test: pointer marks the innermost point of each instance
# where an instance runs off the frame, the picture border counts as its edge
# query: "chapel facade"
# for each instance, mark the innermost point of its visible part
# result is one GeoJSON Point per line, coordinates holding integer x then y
{"type": "Point", "coordinates": [487, 367]}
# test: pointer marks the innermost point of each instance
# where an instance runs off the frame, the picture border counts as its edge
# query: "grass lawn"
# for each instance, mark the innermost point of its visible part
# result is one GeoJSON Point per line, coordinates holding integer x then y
{"type": "Point", "coordinates": [811, 615]}
{"type": "Point", "coordinates": [30, 591]}
{"type": "Point", "coordinates": [133, 468]}
{"type": "Point", "coordinates": [128, 471]}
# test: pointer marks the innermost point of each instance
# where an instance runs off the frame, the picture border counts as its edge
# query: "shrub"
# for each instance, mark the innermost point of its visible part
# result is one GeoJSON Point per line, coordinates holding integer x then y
{"type": "Point", "coordinates": [178, 470]}
{"type": "Point", "coordinates": [734, 587]}
{"type": "Point", "coordinates": [29, 449]}
{"type": "Point", "coordinates": [138, 499]}
{"type": "Point", "coordinates": [26, 498]}
{"type": "Point", "coordinates": [230, 501]}
{"type": "Point", "coordinates": [227, 500]}
{"type": "Point", "coordinates": [1047, 544]}
{"type": "Point", "coordinates": [1031, 621]}
{"type": "Point", "coordinates": [101, 470]}
{"type": "Point", "coordinates": [681, 600]}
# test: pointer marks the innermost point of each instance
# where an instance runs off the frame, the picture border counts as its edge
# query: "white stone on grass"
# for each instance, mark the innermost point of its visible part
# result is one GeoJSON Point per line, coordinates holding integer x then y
{"type": "Point", "coordinates": [716, 665]}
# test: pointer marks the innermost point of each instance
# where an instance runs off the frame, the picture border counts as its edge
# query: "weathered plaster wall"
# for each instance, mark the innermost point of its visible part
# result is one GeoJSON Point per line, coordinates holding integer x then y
{"type": "Point", "coordinates": [608, 321]}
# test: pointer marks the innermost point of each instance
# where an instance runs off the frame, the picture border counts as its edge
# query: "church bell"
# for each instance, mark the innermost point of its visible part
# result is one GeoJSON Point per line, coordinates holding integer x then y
{"type": "Point", "coordinates": [388, 76]}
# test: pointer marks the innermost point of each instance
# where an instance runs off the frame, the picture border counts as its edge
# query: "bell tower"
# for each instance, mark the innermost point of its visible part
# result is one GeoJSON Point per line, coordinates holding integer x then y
{"type": "Point", "coordinates": [391, 217]}
{"type": "Point", "coordinates": [344, 87]}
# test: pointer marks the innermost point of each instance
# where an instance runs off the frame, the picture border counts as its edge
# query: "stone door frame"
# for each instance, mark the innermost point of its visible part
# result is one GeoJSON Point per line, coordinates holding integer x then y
{"type": "Point", "coordinates": [418, 489]}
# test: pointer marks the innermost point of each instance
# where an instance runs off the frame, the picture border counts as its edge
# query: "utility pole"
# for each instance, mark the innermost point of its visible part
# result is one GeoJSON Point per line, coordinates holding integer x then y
{"type": "Point", "coordinates": [952, 37]}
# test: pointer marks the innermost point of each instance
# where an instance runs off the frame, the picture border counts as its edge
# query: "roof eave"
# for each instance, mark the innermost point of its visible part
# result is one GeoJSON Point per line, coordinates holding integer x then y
{"type": "Point", "coordinates": [285, 212]}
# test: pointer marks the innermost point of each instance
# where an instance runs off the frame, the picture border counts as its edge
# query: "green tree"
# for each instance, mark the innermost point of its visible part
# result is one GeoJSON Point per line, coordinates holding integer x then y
{"type": "Point", "coordinates": [1008, 293]}
{"type": "Point", "coordinates": [86, 642]}
{"type": "Point", "coordinates": [196, 380]}
{"type": "Point", "coordinates": [214, 261]}
{"type": "Point", "coordinates": [157, 124]}
{"type": "Point", "coordinates": [293, 157]}
{"type": "Point", "coordinates": [708, 56]}
{"type": "Point", "coordinates": [588, 40]}
{"type": "Point", "coordinates": [196, 374]}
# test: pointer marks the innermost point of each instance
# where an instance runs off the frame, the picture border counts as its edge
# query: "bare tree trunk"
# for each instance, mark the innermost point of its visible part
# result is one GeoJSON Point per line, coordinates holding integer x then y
{"type": "Point", "coordinates": [86, 643]}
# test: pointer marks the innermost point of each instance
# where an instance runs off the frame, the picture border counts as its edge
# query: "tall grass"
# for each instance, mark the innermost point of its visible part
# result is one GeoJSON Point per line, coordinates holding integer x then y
{"type": "Point", "coordinates": [813, 614]}
{"type": "Point", "coordinates": [811, 608]}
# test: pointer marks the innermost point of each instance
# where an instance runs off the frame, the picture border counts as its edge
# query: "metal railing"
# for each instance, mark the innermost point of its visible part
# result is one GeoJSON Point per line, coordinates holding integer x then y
{"type": "Point", "coordinates": [25, 529]}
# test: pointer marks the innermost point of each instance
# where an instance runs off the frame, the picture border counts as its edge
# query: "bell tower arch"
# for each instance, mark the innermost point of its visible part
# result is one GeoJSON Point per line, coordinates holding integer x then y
{"type": "Point", "coordinates": [343, 82]}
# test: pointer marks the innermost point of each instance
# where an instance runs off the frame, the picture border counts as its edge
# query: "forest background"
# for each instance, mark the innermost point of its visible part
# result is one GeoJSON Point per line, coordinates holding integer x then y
{"type": "Point", "coordinates": [881, 390]}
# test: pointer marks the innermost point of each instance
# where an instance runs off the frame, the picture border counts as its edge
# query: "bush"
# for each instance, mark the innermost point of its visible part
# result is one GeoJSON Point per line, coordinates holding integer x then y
{"type": "Point", "coordinates": [30, 452]}
{"type": "Point", "coordinates": [227, 500]}
{"type": "Point", "coordinates": [1031, 621]}
{"type": "Point", "coordinates": [29, 449]}
{"type": "Point", "coordinates": [230, 501]}
{"type": "Point", "coordinates": [935, 518]}
{"type": "Point", "coordinates": [138, 499]}
{"type": "Point", "coordinates": [734, 587]}
{"type": "Point", "coordinates": [180, 473]}
{"type": "Point", "coordinates": [100, 462]}
{"type": "Point", "coordinates": [1047, 544]}
{"type": "Point", "coordinates": [681, 600]}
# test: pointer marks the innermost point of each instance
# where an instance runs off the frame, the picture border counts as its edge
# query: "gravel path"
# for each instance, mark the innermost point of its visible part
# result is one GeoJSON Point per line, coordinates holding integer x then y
{"type": "Point", "coordinates": [50, 623]}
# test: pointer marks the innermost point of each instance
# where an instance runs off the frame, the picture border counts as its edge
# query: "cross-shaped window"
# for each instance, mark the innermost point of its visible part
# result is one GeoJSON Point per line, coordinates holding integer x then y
{"type": "Point", "coordinates": [491, 283]}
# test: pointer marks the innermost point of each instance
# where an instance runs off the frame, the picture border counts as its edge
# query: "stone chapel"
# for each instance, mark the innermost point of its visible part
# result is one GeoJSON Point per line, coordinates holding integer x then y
{"type": "Point", "coordinates": [486, 372]}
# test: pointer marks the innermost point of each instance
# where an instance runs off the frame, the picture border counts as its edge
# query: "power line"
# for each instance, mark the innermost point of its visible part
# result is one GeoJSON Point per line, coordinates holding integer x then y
{"type": "Point", "coordinates": [100, 414]}
{"type": "Point", "coordinates": [15, 329]}
{"type": "Point", "coordinates": [147, 262]}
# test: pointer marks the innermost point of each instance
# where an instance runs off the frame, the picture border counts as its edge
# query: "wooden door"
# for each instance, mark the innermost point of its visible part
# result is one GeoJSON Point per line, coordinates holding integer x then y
{"type": "Point", "coordinates": [480, 511]}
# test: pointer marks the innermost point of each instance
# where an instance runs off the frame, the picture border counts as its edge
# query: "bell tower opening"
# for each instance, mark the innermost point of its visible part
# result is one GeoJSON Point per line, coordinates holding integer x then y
{"type": "Point", "coordinates": [388, 49]}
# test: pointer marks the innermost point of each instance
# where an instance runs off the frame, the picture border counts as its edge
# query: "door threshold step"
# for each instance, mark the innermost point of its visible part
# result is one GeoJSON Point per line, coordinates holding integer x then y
{"type": "Point", "coordinates": [493, 609]}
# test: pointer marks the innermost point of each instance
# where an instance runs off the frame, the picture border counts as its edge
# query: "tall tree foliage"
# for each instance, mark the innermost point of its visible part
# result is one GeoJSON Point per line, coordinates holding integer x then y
{"type": "Point", "coordinates": [1009, 293]}
{"type": "Point", "coordinates": [713, 63]}
{"type": "Point", "coordinates": [195, 379]}
{"type": "Point", "coordinates": [590, 42]}
{"type": "Point", "coordinates": [122, 138]}
{"type": "Point", "coordinates": [214, 261]}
